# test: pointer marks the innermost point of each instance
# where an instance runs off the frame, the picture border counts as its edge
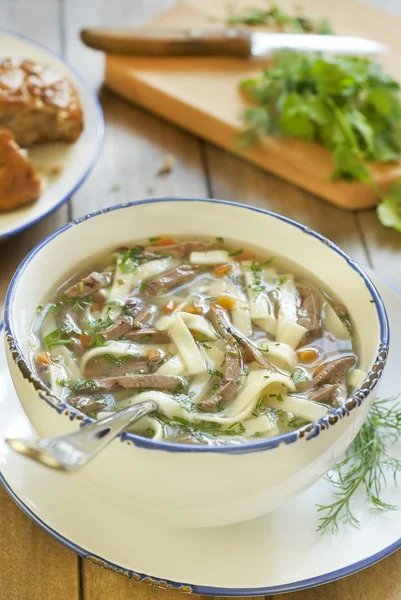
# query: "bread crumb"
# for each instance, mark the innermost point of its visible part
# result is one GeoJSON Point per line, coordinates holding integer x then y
{"type": "Point", "coordinates": [55, 171]}
{"type": "Point", "coordinates": [167, 165]}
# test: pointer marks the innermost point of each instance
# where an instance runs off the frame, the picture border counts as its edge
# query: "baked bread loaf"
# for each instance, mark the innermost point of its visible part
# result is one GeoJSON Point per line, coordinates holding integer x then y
{"type": "Point", "coordinates": [37, 103]}
{"type": "Point", "coordinates": [19, 182]}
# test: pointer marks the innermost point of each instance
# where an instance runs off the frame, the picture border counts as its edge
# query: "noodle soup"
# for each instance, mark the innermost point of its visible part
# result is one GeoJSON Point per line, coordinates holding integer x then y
{"type": "Point", "coordinates": [231, 345]}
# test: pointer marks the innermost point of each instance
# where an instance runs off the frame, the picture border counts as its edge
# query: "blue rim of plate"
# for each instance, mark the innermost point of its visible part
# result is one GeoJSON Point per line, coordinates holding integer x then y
{"type": "Point", "coordinates": [99, 134]}
{"type": "Point", "coordinates": [308, 432]}
{"type": "Point", "coordinates": [202, 589]}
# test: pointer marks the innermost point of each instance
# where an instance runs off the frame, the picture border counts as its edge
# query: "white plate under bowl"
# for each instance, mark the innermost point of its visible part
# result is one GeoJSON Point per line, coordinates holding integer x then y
{"type": "Point", "coordinates": [74, 160]}
{"type": "Point", "coordinates": [280, 552]}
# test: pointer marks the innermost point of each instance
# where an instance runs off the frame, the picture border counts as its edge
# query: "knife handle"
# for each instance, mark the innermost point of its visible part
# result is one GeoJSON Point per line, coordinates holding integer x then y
{"type": "Point", "coordinates": [191, 42]}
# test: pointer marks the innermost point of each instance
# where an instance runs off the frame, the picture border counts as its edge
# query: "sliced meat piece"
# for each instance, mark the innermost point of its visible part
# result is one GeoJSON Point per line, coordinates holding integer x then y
{"type": "Point", "coordinates": [88, 285]}
{"type": "Point", "coordinates": [87, 405]}
{"type": "Point", "coordinates": [148, 336]}
{"type": "Point", "coordinates": [101, 367]}
{"type": "Point", "coordinates": [221, 322]}
{"type": "Point", "coordinates": [333, 371]}
{"type": "Point", "coordinates": [181, 249]}
{"type": "Point", "coordinates": [122, 325]}
{"type": "Point", "coordinates": [230, 384]}
{"type": "Point", "coordinates": [19, 181]}
{"type": "Point", "coordinates": [99, 297]}
{"type": "Point", "coordinates": [309, 311]}
{"type": "Point", "coordinates": [186, 437]}
{"type": "Point", "coordinates": [170, 279]}
{"type": "Point", "coordinates": [340, 394]}
{"type": "Point", "coordinates": [135, 315]}
{"type": "Point", "coordinates": [322, 394]}
{"type": "Point", "coordinates": [144, 316]}
{"type": "Point", "coordinates": [153, 381]}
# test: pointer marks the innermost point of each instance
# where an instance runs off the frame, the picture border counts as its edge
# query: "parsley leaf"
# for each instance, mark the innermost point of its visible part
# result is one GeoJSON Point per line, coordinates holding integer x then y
{"type": "Point", "coordinates": [347, 104]}
{"type": "Point", "coordinates": [389, 211]}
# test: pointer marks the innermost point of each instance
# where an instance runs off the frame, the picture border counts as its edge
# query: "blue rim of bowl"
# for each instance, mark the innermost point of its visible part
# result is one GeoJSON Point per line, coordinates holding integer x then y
{"type": "Point", "coordinates": [99, 134]}
{"type": "Point", "coordinates": [308, 432]}
{"type": "Point", "coordinates": [197, 588]}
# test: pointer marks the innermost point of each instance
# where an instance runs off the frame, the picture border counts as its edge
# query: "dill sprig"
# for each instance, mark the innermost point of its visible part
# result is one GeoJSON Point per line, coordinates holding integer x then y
{"type": "Point", "coordinates": [367, 464]}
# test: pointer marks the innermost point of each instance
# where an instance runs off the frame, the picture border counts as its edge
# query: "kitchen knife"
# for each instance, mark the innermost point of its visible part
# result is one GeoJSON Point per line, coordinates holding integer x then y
{"type": "Point", "coordinates": [227, 42]}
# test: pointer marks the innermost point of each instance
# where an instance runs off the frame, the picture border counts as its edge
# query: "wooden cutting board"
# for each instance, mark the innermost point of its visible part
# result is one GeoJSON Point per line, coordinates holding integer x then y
{"type": "Point", "coordinates": [201, 94]}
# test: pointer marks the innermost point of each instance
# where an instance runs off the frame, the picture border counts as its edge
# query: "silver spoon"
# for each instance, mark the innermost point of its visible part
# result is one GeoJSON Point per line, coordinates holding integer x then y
{"type": "Point", "coordinates": [73, 451]}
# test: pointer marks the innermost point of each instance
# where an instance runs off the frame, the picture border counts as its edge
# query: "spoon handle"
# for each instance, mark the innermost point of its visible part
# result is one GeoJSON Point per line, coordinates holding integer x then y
{"type": "Point", "coordinates": [74, 450]}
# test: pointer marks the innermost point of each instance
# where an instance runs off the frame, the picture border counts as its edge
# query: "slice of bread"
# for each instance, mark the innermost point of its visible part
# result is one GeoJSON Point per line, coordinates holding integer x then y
{"type": "Point", "coordinates": [19, 182]}
{"type": "Point", "coordinates": [38, 104]}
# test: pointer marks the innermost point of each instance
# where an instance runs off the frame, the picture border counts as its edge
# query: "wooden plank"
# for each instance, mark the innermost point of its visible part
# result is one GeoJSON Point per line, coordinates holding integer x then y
{"type": "Point", "coordinates": [383, 244]}
{"type": "Point", "coordinates": [33, 565]}
{"type": "Point", "coordinates": [201, 95]}
{"type": "Point", "coordinates": [379, 582]}
{"type": "Point", "coordinates": [136, 143]}
{"type": "Point", "coordinates": [233, 179]}
{"type": "Point", "coordinates": [135, 146]}
{"type": "Point", "coordinates": [98, 583]}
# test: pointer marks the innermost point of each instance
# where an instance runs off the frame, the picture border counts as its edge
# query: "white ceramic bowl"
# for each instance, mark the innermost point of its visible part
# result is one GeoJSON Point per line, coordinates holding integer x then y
{"type": "Point", "coordinates": [198, 485]}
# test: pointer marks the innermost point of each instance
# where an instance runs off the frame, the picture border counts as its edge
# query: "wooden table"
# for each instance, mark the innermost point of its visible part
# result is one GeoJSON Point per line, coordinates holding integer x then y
{"type": "Point", "coordinates": [32, 565]}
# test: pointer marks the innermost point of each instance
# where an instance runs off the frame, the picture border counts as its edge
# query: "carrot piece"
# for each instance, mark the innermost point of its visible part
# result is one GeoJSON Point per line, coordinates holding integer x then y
{"type": "Point", "coordinates": [85, 339]}
{"type": "Point", "coordinates": [307, 355]}
{"type": "Point", "coordinates": [164, 242]}
{"type": "Point", "coordinates": [169, 307]}
{"type": "Point", "coordinates": [245, 255]}
{"type": "Point", "coordinates": [192, 310]}
{"type": "Point", "coordinates": [44, 358]}
{"type": "Point", "coordinates": [222, 270]}
{"type": "Point", "coordinates": [226, 302]}
{"type": "Point", "coordinates": [154, 354]}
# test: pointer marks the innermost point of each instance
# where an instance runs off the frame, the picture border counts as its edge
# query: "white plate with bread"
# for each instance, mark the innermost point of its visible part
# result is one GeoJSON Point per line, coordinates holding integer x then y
{"type": "Point", "coordinates": [51, 132]}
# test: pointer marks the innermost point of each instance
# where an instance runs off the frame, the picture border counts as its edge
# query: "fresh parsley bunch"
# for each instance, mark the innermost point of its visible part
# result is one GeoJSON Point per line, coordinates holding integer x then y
{"type": "Point", "coordinates": [347, 104]}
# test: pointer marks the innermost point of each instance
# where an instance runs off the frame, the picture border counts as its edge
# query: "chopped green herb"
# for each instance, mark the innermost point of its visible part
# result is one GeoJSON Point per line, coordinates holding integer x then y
{"type": "Point", "coordinates": [215, 373]}
{"type": "Point", "coordinates": [152, 240]}
{"type": "Point", "coordinates": [237, 428]}
{"type": "Point", "coordinates": [81, 286]}
{"type": "Point", "coordinates": [220, 239]}
{"type": "Point", "coordinates": [55, 338]}
{"type": "Point", "coordinates": [232, 353]}
{"type": "Point", "coordinates": [372, 301]}
{"type": "Point", "coordinates": [117, 360]}
{"type": "Point", "coordinates": [235, 253]}
{"type": "Point", "coordinates": [39, 308]}
{"type": "Point", "coordinates": [97, 340]}
{"type": "Point", "coordinates": [282, 279]}
{"type": "Point", "coordinates": [120, 281]}
{"type": "Point", "coordinates": [299, 376]}
{"type": "Point", "coordinates": [297, 423]}
{"type": "Point", "coordinates": [274, 16]}
{"type": "Point", "coordinates": [143, 285]}
{"type": "Point", "coordinates": [268, 262]}
{"type": "Point", "coordinates": [63, 383]}
{"type": "Point", "coordinates": [279, 398]}
{"type": "Point", "coordinates": [84, 383]}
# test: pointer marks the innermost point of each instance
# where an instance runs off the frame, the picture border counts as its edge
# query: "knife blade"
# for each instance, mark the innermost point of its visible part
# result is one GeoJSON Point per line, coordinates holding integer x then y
{"type": "Point", "coordinates": [227, 42]}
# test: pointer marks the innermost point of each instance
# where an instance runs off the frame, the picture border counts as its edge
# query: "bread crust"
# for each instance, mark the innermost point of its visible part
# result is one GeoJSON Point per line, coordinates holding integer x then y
{"type": "Point", "coordinates": [19, 181]}
{"type": "Point", "coordinates": [38, 104]}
